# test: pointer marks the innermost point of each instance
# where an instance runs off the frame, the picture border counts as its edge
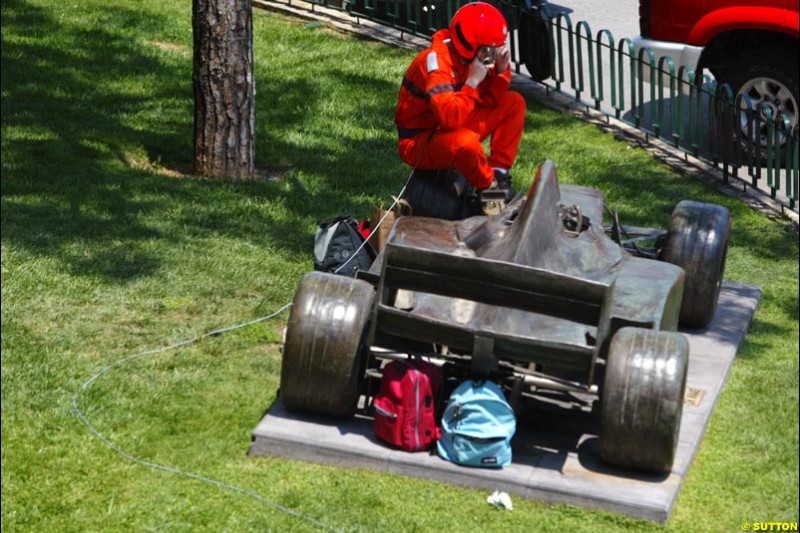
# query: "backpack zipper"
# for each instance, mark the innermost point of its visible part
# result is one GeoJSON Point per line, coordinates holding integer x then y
{"type": "Point", "coordinates": [384, 412]}
{"type": "Point", "coordinates": [416, 420]}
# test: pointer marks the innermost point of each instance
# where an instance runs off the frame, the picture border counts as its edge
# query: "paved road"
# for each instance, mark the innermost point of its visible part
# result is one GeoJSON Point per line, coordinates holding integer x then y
{"type": "Point", "coordinates": [621, 17]}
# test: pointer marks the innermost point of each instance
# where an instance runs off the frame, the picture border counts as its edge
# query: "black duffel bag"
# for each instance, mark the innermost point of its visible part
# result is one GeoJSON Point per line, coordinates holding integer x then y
{"type": "Point", "coordinates": [340, 248]}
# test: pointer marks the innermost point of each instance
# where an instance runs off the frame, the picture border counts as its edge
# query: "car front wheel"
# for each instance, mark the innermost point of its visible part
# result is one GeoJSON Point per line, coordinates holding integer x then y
{"type": "Point", "coordinates": [698, 243]}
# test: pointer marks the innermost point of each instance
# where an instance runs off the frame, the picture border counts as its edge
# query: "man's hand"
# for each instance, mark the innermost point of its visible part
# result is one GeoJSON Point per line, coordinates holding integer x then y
{"type": "Point", "coordinates": [502, 59]}
{"type": "Point", "coordinates": [477, 73]}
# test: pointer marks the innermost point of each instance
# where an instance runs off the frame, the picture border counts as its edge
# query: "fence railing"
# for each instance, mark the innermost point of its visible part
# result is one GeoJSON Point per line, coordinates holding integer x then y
{"type": "Point", "coordinates": [689, 111]}
{"type": "Point", "coordinates": [671, 102]}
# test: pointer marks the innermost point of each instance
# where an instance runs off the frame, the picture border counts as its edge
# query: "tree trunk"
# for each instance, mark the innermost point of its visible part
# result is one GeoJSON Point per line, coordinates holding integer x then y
{"type": "Point", "coordinates": [224, 89]}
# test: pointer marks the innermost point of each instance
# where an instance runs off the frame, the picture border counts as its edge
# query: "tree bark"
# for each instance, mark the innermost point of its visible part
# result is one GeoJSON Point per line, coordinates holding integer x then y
{"type": "Point", "coordinates": [224, 88]}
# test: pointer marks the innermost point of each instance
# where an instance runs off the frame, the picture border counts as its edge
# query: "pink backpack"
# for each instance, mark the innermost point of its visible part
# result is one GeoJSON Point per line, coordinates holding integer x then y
{"type": "Point", "coordinates": [405, 407]}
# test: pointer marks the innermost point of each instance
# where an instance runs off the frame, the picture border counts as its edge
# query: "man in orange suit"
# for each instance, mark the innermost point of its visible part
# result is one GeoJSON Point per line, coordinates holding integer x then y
{"type": "Point", "coordinates": [455, 94]}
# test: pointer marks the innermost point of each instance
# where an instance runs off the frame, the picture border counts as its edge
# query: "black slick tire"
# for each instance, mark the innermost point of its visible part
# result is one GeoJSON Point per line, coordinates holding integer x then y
{"type": "Point", "coordinates": [323, 355]}
{"type": "Point", "coordinates": [697, 241]}
{"type": "Point", "coordinates": [642, 399]}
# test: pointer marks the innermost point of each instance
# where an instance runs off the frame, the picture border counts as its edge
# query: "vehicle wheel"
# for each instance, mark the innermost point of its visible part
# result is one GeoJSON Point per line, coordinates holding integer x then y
{"type": "Point", "coordinates": [770, 78]}
{"type": "Point", "coordinates": [535, 46]}
{"type": "Point", "coordinates": [697, 241]}
{"type": "Point", "coordinates": [324, 354]}
{"type": "Point", "coordinates": [642, 399]}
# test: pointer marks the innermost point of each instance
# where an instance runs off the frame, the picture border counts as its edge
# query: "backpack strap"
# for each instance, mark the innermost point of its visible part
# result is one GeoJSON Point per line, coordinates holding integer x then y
{"type": "Point", "coordinates": [483, 361]}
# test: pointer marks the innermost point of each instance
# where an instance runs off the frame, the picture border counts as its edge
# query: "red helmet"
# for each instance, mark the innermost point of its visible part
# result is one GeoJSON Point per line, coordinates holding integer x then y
{"type": "Point", "coordinates": [475, 25]}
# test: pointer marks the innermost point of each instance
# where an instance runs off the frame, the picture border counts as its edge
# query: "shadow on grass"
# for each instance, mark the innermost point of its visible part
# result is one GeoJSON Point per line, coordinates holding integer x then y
{"type": "Point", "coordinates": [68, 190]}
{"type": "Point", "coordinates": [60, 123]}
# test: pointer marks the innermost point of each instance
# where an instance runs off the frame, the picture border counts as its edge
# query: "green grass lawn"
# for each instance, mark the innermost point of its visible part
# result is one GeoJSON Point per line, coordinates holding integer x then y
{"type": "Point", "coordinates": [109, 249]}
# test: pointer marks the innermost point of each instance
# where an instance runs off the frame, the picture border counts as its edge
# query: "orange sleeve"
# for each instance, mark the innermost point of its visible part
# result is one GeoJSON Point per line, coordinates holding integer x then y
{"type": "Point", "coordinates": [494, 87]}
{"type": "Point", "coordinates": [451, 104]}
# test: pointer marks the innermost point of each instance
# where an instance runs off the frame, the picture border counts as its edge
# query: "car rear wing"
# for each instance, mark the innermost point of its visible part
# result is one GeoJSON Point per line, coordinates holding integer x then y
{"type": "Point", "coordinates": [496, 283]}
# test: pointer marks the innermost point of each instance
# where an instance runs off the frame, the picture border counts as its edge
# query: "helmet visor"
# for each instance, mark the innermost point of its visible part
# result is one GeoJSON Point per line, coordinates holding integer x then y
{"type": "Point", "coordinates": [486, 54]}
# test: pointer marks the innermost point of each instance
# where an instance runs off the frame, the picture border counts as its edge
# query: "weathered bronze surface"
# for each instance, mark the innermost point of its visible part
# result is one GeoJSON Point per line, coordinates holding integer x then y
{"type": "Point", "coordinates": [545, 294]}
{"type": "Point", "coordinates": [526, 297]}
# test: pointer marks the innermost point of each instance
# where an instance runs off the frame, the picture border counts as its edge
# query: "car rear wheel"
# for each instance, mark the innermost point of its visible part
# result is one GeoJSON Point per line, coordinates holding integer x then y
{"type": "Point", "coordinates": [769, 78]}
{"type": "Point", "coordinates": [324, 350]}
{"type": "Point", "coordinates": [697, 241]}
{"type": "Point", "coordinates": [642, 399]}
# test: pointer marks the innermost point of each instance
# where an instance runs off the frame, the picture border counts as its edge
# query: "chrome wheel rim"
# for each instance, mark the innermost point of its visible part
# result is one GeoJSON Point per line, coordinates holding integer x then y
{"type": "Point", "coordinates": [768, 97]}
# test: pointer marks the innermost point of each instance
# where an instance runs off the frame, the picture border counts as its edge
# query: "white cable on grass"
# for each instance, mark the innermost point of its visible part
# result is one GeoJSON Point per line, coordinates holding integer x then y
{"type": "Point", "coordinates": [190, 475]}
{"type": "Point", "coordinates": [170, 469]}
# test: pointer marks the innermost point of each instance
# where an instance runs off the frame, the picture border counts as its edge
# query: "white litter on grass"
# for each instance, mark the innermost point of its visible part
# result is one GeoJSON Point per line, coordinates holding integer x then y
{"type": "Point", "coordinates": [500, 499]}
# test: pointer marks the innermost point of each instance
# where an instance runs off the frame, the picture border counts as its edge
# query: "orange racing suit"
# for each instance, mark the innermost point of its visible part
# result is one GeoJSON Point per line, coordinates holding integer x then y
{"type": "Point", "coordinates": [434, 97]}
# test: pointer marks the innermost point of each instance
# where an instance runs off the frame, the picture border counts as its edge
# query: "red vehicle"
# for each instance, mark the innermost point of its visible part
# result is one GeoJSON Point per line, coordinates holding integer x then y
{"type": "Point", "coordinates": [750, 44]}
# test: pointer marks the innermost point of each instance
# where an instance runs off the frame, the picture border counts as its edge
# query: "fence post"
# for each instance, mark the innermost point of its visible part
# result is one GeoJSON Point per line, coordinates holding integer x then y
{"type": "Point", "coordinates": [745, 105]}
{"type": "Point", "coordinates": [728, 135]}
{"type": "Point", "coordinates": [560, 79]}
{"type": "Point", "coordinates": [688, 74]}
{"type": "Point", "coordinates": [652, 61]}
{"type": "Point", "coordinates": [583, 25]}
{"type": "Point", "coordinates": [612, 69]}
{"type": "Point", "coordinates": [660, 118]}
{"type": "Point", "coordinates": [793, 170]}
{"type": "Point", "coordinates": [576, 81]}
{"type": "Point", "coordinates": [631, 68]}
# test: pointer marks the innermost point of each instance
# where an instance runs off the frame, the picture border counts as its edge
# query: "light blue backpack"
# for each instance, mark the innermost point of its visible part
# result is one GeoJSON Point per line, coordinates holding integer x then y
{"type": "Point", "coordinates": [477, 426]}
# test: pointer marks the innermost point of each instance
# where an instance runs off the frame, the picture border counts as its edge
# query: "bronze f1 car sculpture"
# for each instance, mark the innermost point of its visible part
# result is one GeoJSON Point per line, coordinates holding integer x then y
{"type": "Point", "coordinates": [542, 288]}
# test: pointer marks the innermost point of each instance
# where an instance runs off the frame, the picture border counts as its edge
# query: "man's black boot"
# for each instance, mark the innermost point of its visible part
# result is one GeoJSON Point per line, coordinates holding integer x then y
{"type": "Point", "coordinates": [503, 181]}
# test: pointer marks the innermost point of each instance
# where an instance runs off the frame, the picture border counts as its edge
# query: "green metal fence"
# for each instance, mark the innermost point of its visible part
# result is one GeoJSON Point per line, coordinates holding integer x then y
{"type": "Point", "coordinates": [688, 110]}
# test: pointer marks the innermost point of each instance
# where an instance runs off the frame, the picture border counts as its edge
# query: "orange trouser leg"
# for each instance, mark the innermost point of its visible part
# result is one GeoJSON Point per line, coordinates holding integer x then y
{"type": "Point", "coordinates": [459, 148]}
{"type": "Point", "coordinates": [505, 124]}
{"type": "Point", "coordinates": [462, 148]}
